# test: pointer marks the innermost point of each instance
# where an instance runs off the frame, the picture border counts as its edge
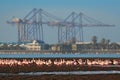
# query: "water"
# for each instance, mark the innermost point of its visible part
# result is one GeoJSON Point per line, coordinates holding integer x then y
{"type": "Point", "coordinates": [72, 72]}
{"type": "Point", "coordinates": [60, 55]}
{"type": "Point", "coordinates": [63, 73]}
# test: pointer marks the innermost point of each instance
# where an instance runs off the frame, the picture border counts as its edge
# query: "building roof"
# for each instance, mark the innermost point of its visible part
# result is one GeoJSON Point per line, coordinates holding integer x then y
{"type": "Point", "coordinates": [40, 41]}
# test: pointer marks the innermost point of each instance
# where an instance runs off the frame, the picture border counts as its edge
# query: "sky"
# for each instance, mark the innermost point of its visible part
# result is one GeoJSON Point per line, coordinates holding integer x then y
{"type": "Point", "coordinates": [106, 11]}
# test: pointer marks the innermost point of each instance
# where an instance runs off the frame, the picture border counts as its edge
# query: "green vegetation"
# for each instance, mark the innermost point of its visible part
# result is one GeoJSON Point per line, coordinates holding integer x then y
{"type": "Point", "coordinates": [103, 44]}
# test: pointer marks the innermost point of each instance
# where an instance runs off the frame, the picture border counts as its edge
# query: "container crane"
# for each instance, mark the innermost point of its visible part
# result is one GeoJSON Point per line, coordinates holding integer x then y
{"type": "Point", "coordinates": [31, 26]}
{"type": "Point", "coordinates": [70, 28]}
{"type": "Point", "coordinates": [73, 27]}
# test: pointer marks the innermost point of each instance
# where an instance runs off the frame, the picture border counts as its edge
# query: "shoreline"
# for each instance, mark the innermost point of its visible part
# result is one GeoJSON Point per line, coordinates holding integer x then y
{"type": "Point", "coordinates": [61, 52]}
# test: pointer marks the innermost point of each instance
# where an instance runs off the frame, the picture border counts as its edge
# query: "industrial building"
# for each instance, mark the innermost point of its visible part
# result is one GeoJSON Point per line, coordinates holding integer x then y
{"type": "Point", "coordinates": [35, 45]}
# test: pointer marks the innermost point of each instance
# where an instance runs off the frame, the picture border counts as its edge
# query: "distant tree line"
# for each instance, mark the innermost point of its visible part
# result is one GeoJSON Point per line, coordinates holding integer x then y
{"type": "Point", "coordinates": [103, 44]}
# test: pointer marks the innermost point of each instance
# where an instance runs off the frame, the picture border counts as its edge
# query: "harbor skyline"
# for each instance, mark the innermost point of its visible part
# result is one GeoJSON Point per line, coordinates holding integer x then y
{"type": "Point", "coordinates": [105, 11]}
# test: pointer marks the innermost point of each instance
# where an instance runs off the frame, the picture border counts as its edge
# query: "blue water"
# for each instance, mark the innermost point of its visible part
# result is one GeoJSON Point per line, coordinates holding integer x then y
{"type": "Point", "coordinates": [36, 55]}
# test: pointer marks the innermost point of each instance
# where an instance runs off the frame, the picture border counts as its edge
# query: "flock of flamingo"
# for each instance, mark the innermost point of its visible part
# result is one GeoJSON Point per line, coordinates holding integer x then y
{"type": "Point", "coordinates": [59, 62]}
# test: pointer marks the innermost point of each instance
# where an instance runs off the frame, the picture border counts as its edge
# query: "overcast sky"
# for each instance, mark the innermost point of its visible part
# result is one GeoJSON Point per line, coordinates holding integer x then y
{"type": "Point", "coordinates": [107, 11]}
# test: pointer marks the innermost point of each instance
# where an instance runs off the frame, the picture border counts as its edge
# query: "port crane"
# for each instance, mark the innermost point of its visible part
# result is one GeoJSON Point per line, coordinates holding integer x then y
{"type": "Point", "coordinates": [69, 29]}
{"type": "Point", "coordinates": [73, 27]}
{"type": "Point", "coordinates": [31, 26]}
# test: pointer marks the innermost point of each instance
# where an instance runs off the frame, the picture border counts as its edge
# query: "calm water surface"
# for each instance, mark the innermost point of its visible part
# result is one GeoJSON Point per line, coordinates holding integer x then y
{"type": "Point", "coordinates": [64, 73]}
{"type": "Point", "coordinates": [60, 55]}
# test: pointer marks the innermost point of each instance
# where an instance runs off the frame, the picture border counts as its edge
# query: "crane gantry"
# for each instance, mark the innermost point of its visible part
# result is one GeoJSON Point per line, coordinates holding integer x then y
{"type": "Point", "coordinates": [70, 28]}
